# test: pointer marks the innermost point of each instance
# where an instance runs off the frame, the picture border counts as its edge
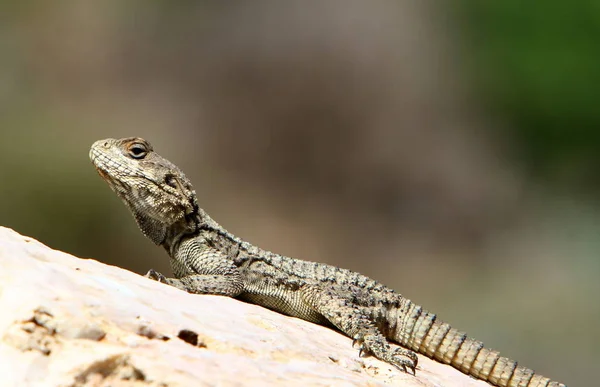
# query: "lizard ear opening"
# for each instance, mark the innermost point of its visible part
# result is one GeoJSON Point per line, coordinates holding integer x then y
{"type": "Point", "coordinates": [178, 185]}
{"type": "Point", "coordinates": [172, 181]}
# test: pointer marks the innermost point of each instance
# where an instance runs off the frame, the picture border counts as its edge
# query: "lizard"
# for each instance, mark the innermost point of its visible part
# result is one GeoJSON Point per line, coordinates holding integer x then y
{"type": "Point", "coordinates": [207, 259]}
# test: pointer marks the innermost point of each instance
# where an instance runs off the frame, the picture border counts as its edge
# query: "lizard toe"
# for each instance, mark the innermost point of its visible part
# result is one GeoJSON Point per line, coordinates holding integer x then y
{"type": "Point", "coordinates": [401, 358]}
{"type": "Point", "coordinates": [154, 275]}
{"type": "Point", "coordinates": [404, 359]}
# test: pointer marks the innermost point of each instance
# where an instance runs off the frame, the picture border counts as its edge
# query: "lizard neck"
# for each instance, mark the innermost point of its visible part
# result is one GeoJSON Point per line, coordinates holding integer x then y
{"type": "Point", "coordinates": [192, 226]}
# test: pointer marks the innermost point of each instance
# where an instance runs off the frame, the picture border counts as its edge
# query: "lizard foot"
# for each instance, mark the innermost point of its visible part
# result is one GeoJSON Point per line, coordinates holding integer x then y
{"type": "Point", "coordinates": [401, 358]}
{"type": "Point", "coordinates": [404, 359]}
{"type": "Point", "coordinates": [153, 274]}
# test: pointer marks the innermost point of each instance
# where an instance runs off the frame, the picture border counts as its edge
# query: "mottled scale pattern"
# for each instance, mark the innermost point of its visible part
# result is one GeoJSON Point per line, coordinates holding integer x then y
{"type": "Point", "coordinates": [423, 333]}
{"type": "Point", "coordinates": [207, 259]}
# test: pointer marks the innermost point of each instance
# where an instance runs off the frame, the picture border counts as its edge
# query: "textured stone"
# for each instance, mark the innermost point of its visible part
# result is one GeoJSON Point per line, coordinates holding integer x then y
{"type": "Point", "coordinates": [68, 321]}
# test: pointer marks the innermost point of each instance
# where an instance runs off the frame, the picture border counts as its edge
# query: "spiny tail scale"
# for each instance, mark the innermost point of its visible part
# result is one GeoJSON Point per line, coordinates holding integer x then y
{"type": "Point", "coordinates": [419, 330]}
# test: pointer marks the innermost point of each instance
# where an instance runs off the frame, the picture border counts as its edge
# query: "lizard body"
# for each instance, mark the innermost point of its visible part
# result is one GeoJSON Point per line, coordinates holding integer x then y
{"type": "Point", "coordinates": [207, 259]}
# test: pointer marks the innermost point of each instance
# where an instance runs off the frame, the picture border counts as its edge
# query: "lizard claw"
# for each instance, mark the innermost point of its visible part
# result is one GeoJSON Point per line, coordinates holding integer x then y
{"type": "Point", "coordinates": [401, 358]}
{"type": "Point", "coordinates": [405, 359]}
{"type": "Point", "coordinates": [362, 350]}
{"type": "Point", "coordinates": [358, 340]}
{"type": "Point", "coordinates": [154, 275]}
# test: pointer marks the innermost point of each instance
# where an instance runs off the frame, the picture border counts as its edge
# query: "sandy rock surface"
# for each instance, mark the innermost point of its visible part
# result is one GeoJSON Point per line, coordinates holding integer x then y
{"type": "Point", "coordinates": [67, 321]}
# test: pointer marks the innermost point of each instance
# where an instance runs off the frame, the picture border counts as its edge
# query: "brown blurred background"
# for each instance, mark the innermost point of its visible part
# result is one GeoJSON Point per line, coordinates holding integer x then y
{"type": "Point", "coordinates": [451, 152]}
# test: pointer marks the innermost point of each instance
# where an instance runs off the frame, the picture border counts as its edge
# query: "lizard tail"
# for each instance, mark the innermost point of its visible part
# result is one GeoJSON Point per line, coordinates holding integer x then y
{"type": "Point", "coordinates": [420, 331]}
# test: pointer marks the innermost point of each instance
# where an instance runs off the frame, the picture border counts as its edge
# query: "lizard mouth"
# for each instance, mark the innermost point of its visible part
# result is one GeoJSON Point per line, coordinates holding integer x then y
{"type": "Point", "coordinates": [95, 156]}
{"type": "Point", "coordinates": [102, 173]}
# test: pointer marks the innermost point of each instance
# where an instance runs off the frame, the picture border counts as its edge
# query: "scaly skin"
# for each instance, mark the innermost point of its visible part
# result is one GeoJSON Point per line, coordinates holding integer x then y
{"type": "Point", "coordinates": [207, 259]}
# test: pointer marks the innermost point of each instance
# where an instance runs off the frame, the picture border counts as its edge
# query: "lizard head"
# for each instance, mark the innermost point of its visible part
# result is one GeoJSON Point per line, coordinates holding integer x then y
{"type": "Point", "coordinates": [158, 194]}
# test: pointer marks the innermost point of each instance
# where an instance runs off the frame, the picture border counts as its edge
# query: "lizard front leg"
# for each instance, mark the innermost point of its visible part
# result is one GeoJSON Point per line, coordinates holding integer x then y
{"type": "Point", "coordinates": [351, 320]}
{"type": "Point", "coordinates": [224, 285]}
{"type": "Point", "coordinates": [201, 269]}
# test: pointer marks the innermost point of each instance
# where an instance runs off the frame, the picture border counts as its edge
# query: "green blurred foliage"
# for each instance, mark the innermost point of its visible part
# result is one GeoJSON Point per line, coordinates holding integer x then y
{"type": "Point", "coordinates": [538, 64]}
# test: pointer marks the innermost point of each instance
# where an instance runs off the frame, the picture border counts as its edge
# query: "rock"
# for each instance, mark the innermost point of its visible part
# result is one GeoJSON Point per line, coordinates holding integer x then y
{"type": "Point", "coordinates": [67, 321]}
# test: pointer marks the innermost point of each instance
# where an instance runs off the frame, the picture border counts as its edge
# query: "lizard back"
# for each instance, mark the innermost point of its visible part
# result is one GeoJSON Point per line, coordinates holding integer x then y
{"type": "Point", "coordinates": [207, 259]}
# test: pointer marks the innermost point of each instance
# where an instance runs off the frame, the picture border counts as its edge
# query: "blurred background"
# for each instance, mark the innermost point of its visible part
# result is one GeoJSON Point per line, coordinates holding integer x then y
{"type": "Point", "coordinates": [450, 151]}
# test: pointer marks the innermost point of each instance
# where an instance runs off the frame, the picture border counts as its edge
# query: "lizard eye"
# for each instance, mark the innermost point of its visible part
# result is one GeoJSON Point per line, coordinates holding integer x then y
{"type": "Point", "coordinates": [137, 151]}
{"type": "Point", "coordinates": [170, 181]}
